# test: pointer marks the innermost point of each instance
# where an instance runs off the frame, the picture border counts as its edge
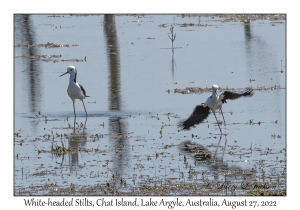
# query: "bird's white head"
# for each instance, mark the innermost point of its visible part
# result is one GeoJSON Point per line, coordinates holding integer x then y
{"type": "Point", "coordinates": [215, 87]}
{"type": "Point", "coordinates": [71, 70]}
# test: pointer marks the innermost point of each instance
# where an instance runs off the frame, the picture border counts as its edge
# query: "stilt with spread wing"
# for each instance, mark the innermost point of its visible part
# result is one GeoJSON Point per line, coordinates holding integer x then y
{"type": "Point", "coordinates": [213, 103]}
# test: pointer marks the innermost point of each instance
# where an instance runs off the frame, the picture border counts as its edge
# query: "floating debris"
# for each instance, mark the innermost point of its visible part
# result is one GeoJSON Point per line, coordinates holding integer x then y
{"type": "Point", "coordinates": [47, 45]}
{"type": "Point", "coordinates": [200, 90]}
{"type": "Point", "coordinates": [38, 56]}
{"type": "Point", "coordinates": [163, 25]}
{"type": "Point", "coordinates": [60, 150]}
{"type": "Point", "coordinates": [49, 58]}
{"type": "Point", "coordinates": [193, 24]}
{"type": "Point", "coordinates": [250, 17]}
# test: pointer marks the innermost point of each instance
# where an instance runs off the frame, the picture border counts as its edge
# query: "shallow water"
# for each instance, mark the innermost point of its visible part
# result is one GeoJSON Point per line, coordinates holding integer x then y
{"type": "Point", "coordinates": [126, 66]}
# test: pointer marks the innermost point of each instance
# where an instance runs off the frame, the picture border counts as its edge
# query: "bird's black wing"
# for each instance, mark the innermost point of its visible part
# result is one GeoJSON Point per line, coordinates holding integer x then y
{"type": "Point", "coordinates": [231, 95]}
{"type": "Point", "coordinates": [83, 90]}
{"type": "Point", "coordinates": [199, 114]}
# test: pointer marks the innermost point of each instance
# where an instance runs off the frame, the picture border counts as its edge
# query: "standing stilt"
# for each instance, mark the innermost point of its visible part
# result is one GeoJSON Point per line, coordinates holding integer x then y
{"type": "Point", "coordinates": [75, 90]}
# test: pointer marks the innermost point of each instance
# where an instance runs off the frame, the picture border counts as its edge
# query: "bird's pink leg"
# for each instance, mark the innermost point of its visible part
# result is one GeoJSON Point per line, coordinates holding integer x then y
{"type": "Point", "coordinates": [217, 122]}
{"type": "Point", "coordinates": [223, 117]}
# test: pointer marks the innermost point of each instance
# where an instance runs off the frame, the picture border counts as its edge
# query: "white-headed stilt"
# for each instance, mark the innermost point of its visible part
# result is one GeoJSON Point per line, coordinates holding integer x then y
{"type": "Point", "coordinates": [75, 90]}
{"type": "Point", "coordinates": [213, 103]}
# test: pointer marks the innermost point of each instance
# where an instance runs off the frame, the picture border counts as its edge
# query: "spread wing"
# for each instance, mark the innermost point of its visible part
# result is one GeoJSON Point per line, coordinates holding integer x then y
{"type": "Point", "coordinates": [199, 114]}
{"type": "Point", "coordinates": [231, 95]}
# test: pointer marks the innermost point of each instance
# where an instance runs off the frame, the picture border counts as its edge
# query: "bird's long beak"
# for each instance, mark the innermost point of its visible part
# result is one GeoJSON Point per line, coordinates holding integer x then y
{"type": "Point", "coordinates": [64, 74]}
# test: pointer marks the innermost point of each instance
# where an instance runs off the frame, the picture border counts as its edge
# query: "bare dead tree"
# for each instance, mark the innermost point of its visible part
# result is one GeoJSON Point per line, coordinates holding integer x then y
{"type": "Point", "coordinates": [173, 36]}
